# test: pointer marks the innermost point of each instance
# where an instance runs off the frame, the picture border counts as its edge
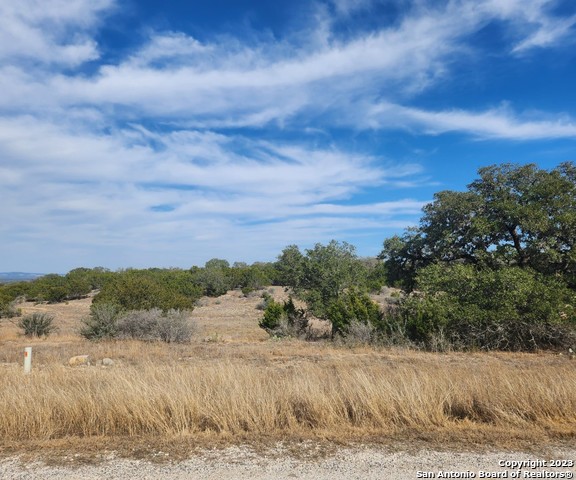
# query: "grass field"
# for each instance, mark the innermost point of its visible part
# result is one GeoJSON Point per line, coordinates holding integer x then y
{"type": "Point", "coordinates": [234, 384]}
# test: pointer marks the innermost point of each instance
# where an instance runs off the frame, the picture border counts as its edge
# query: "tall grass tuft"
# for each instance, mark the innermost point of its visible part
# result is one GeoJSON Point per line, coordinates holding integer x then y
{"type": "Point", "coordinates": [239, 398]}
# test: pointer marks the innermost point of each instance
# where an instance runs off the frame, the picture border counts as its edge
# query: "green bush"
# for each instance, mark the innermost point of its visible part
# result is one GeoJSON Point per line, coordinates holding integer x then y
{"type": "Point", "coordinates": [272, 316]}
{"type": "Point", "coordinates": [50, 288]}
{"type": "Point", "coordinates": [102, 322]}
{"type": "Point", "coordinates": [510, 308]}
{"type": "Point", "coordinates": [353, 307]}
{"type": "Point", "coordinates": [37, 324]}
{"type": "Point", "coordinates": [8, 308]}
{"type": "Point", "coordinates": [284, 319]}
{"type": "Point", "coordinates": [145, 290]}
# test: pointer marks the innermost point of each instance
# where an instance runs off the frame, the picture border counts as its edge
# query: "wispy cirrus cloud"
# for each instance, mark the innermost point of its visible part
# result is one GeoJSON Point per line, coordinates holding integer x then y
{"type": "Point", "coordinates": [497, 123]}
{"type": "Point", "coordinates": [196, 140]}
{"type": "Point", "coordinates": [68, 186]}
{"type": "Point", "coordinates": [226, 83]}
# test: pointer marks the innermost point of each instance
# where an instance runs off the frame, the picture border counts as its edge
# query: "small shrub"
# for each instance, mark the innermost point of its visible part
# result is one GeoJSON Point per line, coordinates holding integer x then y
{"type": "Point", "coordinates": [102, 322]}
{"type": "Point", "coordinates": [173, 326]}
{"type": "Point", "coordinates": [9, 307]}
{"type": "Point", "coordinates": [176, 327]}
{"type": "Point", "coordinates": [37, 324]}
{"type": "Point", "coordinates": [272, 314]}
{"type": "Point", "coordinates": [246, 291]}
{"type": "Point", "coordinates": [266, 299]}
{"type": "Point", "coordinates": [284, 319]}
{"type": "Point", "coordinates": [359, 333]}
{"type": "Point", "coordinates": [353, 306]}
{"type": "Point", "coordinates": [140, 324]}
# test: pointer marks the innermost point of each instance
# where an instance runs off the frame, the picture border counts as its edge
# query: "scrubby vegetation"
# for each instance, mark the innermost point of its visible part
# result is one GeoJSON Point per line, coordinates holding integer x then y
{"type": "Point", "coordinates": [37, 324]}
{"type": "Point", "coordinates": [284, 319]}
{"type": "Point", "coordinates": [491, 268]}
{"type": "Point", "coordinates": [107, 321]}
{"type": "Point", "coordinates": [334, 283]}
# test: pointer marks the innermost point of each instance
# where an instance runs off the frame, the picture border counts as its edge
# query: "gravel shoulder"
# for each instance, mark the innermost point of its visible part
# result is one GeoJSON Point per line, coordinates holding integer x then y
{"type": "Point", "coordinates": [346, 463]}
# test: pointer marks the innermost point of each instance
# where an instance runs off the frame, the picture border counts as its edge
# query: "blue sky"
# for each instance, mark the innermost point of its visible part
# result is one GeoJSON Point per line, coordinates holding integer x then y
{"type": "Point", "coordinates": [141, 133]}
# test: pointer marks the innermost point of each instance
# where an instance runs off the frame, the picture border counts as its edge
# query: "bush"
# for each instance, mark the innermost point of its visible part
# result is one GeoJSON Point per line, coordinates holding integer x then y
{"type": "Point", "coordinates": [102, 322]}
{"type": "Point", "coordinates": [272, 317]}
{"type": "Point", "coordinates": [145, 290]}
{"type": "Point", "coordinates": [51, 288]}
{"type": "Point", "coordinates": [353, 307]}
{"type": "Point", "coordinates": [106, 322]}
{"type": "Point", "coordinates": [37, 324]}
{"type": "Point", "coordinates": [507, 309]}
{"type": "Point", "coordinates": [8, 306]}
{"type": "Point", "coordinates": [139, 324]}
{"type": "Point", "coordinates": [176, 327]}
{"type": "Point", "coordinates": [173, 326]}
{"type": "Point", "coordinates": [359, 333]}
{"type": "Point", "coordinates": [266, 299]}
{"type": "Point", "coordinates": [284, 319]}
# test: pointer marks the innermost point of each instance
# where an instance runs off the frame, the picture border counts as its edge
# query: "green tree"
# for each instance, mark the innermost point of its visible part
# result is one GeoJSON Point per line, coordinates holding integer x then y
{"type": "Point", "coordinates": [215, 278]}
{"type": "Point", "coordinates": [511, 215]}
{"type": "Point", "coordinates": [250, 278]}
{"type": "Point", "coordinates": [78, 284]}
{"type": "Point", "coordinates": [8, 308]}
{"type": "Point", "coordinates": [290, 267]}
{"type": "Point", "coordinates": [328, 271]}
{"type": "Point", "coordinates": [217, 263]}
{"type": "Point", "coordinates": [51, 288]}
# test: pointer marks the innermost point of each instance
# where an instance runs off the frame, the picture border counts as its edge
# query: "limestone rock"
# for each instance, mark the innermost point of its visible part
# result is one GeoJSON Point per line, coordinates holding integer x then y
{"type": "Point", "coordinates": [107, 362]}
{"type": "Point", "coordinates": [79, 361]}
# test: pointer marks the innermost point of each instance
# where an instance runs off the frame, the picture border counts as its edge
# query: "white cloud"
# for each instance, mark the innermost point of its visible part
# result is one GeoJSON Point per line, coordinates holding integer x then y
{"type": "Point", "coordinates": [169, 47]}
{"type": "Point", "coordinates": [499, 123]}
{"type": "Point", "coordinates": [78, 167]}
{"type": "Point", "coordinates": [63, 184]}
{"type": "Point", "coordinates": [549, 33]}
{"type": "Point", "coordinates": [225, 84]}
{"type": "Point", "coordinates": [50, 31]}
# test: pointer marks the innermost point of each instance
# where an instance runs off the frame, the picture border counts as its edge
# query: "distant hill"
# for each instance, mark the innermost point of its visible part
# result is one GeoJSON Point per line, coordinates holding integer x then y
{"type": "Point", "coordinates": [6, 277]}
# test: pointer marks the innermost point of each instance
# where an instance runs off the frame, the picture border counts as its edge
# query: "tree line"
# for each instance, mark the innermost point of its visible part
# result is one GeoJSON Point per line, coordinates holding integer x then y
{"type": "Point", "coordinates": [139, 289]}
{"type": "Point", "coordinates": [492, 267]}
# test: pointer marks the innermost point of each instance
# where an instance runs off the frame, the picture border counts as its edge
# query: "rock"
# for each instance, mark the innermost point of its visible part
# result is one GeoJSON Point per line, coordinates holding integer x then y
{"type": "Point", "coordinates": [79, 361]}
{"type": "Point", "coordinates": [107, 362]}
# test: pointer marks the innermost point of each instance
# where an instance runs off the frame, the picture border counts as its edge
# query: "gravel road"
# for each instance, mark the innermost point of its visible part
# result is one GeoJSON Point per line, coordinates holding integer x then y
{"type": "Point", "coordinates": [347, 463]}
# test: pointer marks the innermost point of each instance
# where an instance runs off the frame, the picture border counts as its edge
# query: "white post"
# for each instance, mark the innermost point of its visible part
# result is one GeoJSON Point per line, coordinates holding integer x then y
{"type": "Point", "coordinates": [27, 359]}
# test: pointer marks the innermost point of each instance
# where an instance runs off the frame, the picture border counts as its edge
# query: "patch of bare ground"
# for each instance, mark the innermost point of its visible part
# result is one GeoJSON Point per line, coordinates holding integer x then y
{"type": "Point", "coordinates": [233, 385]}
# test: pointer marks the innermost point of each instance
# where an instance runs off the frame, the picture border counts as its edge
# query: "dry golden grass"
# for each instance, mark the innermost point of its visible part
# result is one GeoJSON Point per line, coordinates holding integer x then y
{"type": "Point", "coordinates": [245, 386]}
